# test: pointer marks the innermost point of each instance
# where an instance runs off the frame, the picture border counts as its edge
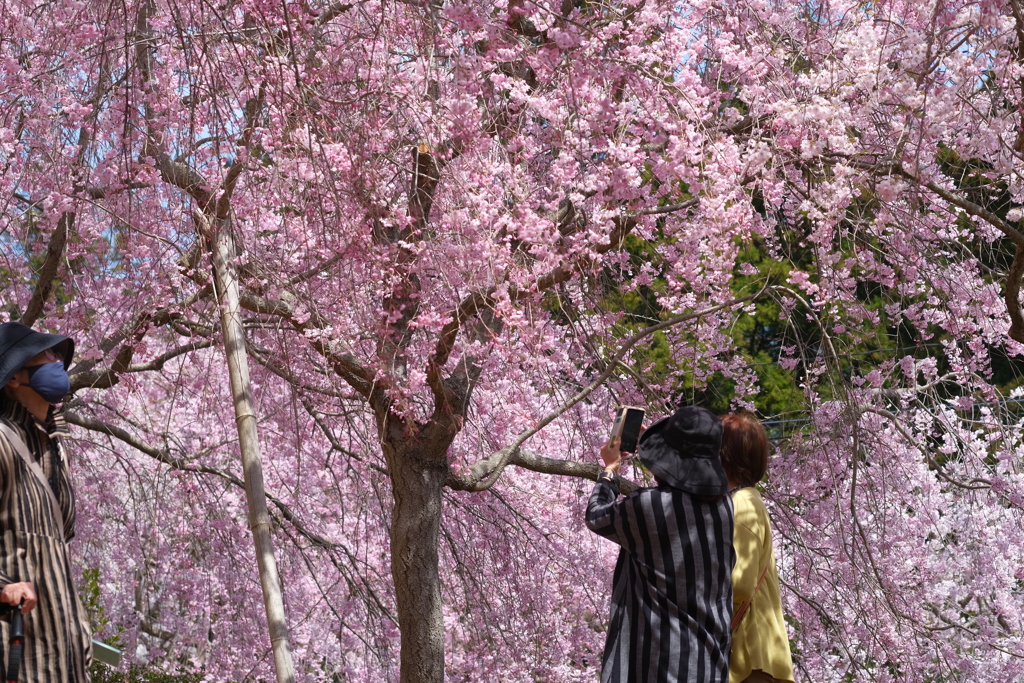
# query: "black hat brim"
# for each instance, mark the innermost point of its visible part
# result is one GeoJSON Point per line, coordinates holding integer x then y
{"type": "Point", "coordinates": [700, 476]}
{"type": "Point", "coordinates": [23, 348]}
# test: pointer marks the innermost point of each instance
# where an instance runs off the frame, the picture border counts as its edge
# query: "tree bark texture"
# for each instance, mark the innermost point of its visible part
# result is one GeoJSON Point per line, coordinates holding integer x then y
{"type": "Point", "coordinates": [418, 475]}
{"type": "Point", "coordinates": [245, 418]}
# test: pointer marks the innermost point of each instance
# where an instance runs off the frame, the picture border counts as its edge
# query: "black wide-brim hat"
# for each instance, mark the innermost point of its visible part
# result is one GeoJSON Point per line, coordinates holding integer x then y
{"type": "Point", "coordinates": [19, 343]}
{"type": "Point", "coordinates": [683, 451]}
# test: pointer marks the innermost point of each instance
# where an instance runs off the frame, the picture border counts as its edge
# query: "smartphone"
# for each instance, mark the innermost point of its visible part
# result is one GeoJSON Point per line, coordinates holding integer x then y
{"type": "Point", "coordinates": [627, 426]}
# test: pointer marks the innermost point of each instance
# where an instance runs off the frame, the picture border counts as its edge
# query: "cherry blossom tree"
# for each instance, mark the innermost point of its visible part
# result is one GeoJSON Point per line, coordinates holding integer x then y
{"type": "Point", "coordinates": [433, 205]}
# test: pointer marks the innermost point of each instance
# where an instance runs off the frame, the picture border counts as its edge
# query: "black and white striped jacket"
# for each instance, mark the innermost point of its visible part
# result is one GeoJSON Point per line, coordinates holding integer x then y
{"type": "Point", "coordinates": [33, 547]}
{"type": "Point", "coordinates": [672, 588]}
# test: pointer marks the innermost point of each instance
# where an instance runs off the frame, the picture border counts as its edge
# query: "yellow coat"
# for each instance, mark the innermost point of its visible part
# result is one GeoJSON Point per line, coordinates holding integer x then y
{"type": "Point", "coordinates": [760, 640]}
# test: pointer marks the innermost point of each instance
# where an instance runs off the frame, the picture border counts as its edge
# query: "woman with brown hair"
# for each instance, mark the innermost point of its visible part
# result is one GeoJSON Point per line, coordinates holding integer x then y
{"type": "Point", "coordinates": [760, 646]}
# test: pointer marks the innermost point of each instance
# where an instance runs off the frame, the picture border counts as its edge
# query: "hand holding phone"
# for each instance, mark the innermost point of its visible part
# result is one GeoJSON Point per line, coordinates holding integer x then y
{"type": "Point", "coordinates": [611, 456]}
{"type": "Point", "coordinates": [627, 427]}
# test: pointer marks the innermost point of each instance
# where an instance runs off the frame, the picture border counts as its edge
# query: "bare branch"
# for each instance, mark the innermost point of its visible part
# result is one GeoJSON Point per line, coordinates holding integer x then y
{"type": "Point", "coordinates": [1012, 295]}
{"type": "Point", "coordinates": [671, 208]}
{"type": "Point", "coordinates": [158, 362]}
{"type": "Point", "coordinates": [261, 357]}
{"type": "Point", "coordinates": [974, 484]}
{"type": "Point", "coordinates": [483, 473]}
{"type": "Point", "coordinates": [315, 270]}
{"type": "Point", "coordinates": [184, 465]}
{"type": "Point", "coordinates": [84, 375]}
{"type": "Point", "coordinates": [973, 209]}
{"type": "Point", "coordinates": [345, 365]}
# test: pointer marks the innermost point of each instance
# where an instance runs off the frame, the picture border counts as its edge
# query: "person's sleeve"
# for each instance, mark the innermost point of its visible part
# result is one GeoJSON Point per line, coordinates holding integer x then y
{"type": "Point", "coordinates": [604, 512]}
{"type": "Point", "coordinates": [748, 545]}
{"type": "Point", "coordinates": [65, 495]}
{"type": "Point", "coordinates": [7, 456]}
{"type": "Point", "coordinates": [57, 430]}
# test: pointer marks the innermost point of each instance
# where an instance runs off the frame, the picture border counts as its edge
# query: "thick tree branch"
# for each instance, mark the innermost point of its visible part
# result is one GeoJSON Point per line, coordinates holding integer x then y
{"type": "Point", "coordinates": [401, 304]}
{"type": "Point", "coordinates": [344, 364]}
{"type": "Point", "coordinates": [66, 223]}
{"type": "Point", "coordinates": [84, 374]}
{"type": "Point", "coordinates": [262, 357]}
{"type": "Point", "coordinates": [252, 110]}
{"type": "Point", "coordinates": [177, 173]}
{"type": "Point", "coordinates": [48, 272]}
{"type": "Point", "coordinates": [565, 468]}
{"type": "Point", "coordinates": [1018, 16]}
{"type": "Point", "coordinates": [971, 208]}
{"type": "Point", "coordinates": [159, 362]}
{"type": "Point", "coordinates": [333, 12]}
{"type": "Point", "coordinates": [1013, 279]}
{"type": "Point", "coordinates": [480, 301]}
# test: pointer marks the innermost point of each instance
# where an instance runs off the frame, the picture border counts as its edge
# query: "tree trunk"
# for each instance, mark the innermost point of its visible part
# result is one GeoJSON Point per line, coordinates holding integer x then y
{"type": "Point", "coordinates": [415, 525]}
{"type": "Point", "coordinates": [245, 419]}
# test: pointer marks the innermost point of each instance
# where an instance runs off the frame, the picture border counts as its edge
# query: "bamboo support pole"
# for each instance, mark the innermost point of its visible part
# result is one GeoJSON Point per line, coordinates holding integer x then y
{"type": "Point", "coordinates": [245, 419]}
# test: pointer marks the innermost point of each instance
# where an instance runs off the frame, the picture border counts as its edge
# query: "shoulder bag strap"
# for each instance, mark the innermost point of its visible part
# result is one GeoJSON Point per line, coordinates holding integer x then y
{"type": "Point", "coordinates": [21, 449]}
{"type": "Point", "coordinates": [738, 617]}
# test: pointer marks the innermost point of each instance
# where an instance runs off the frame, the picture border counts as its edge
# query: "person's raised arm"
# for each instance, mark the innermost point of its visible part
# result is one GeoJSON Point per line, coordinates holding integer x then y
{"type": "Point", "coordinates": [603, 517]}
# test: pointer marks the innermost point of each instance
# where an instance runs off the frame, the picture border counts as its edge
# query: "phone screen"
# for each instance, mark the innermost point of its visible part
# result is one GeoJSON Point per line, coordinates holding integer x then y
{"type": "Point", "coordinates": [632, 420]}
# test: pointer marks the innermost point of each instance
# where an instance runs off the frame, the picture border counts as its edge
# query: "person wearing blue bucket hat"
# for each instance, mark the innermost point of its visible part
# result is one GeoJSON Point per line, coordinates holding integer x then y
{"type": "Point", "coordinates": [37, 505]}
{"type": "Point", "coordinates": [671, 603]}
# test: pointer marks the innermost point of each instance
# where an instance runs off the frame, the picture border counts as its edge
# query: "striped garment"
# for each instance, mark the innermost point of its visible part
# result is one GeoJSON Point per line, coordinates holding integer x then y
{"type": "Point", "coordinates": [58, 641]}
{"type": "Point", "coordinates": [672, 590]}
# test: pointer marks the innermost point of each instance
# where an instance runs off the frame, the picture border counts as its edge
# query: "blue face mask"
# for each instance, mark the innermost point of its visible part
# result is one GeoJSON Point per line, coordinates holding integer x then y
{"type": "Point", "coordinates": [49, 380]}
